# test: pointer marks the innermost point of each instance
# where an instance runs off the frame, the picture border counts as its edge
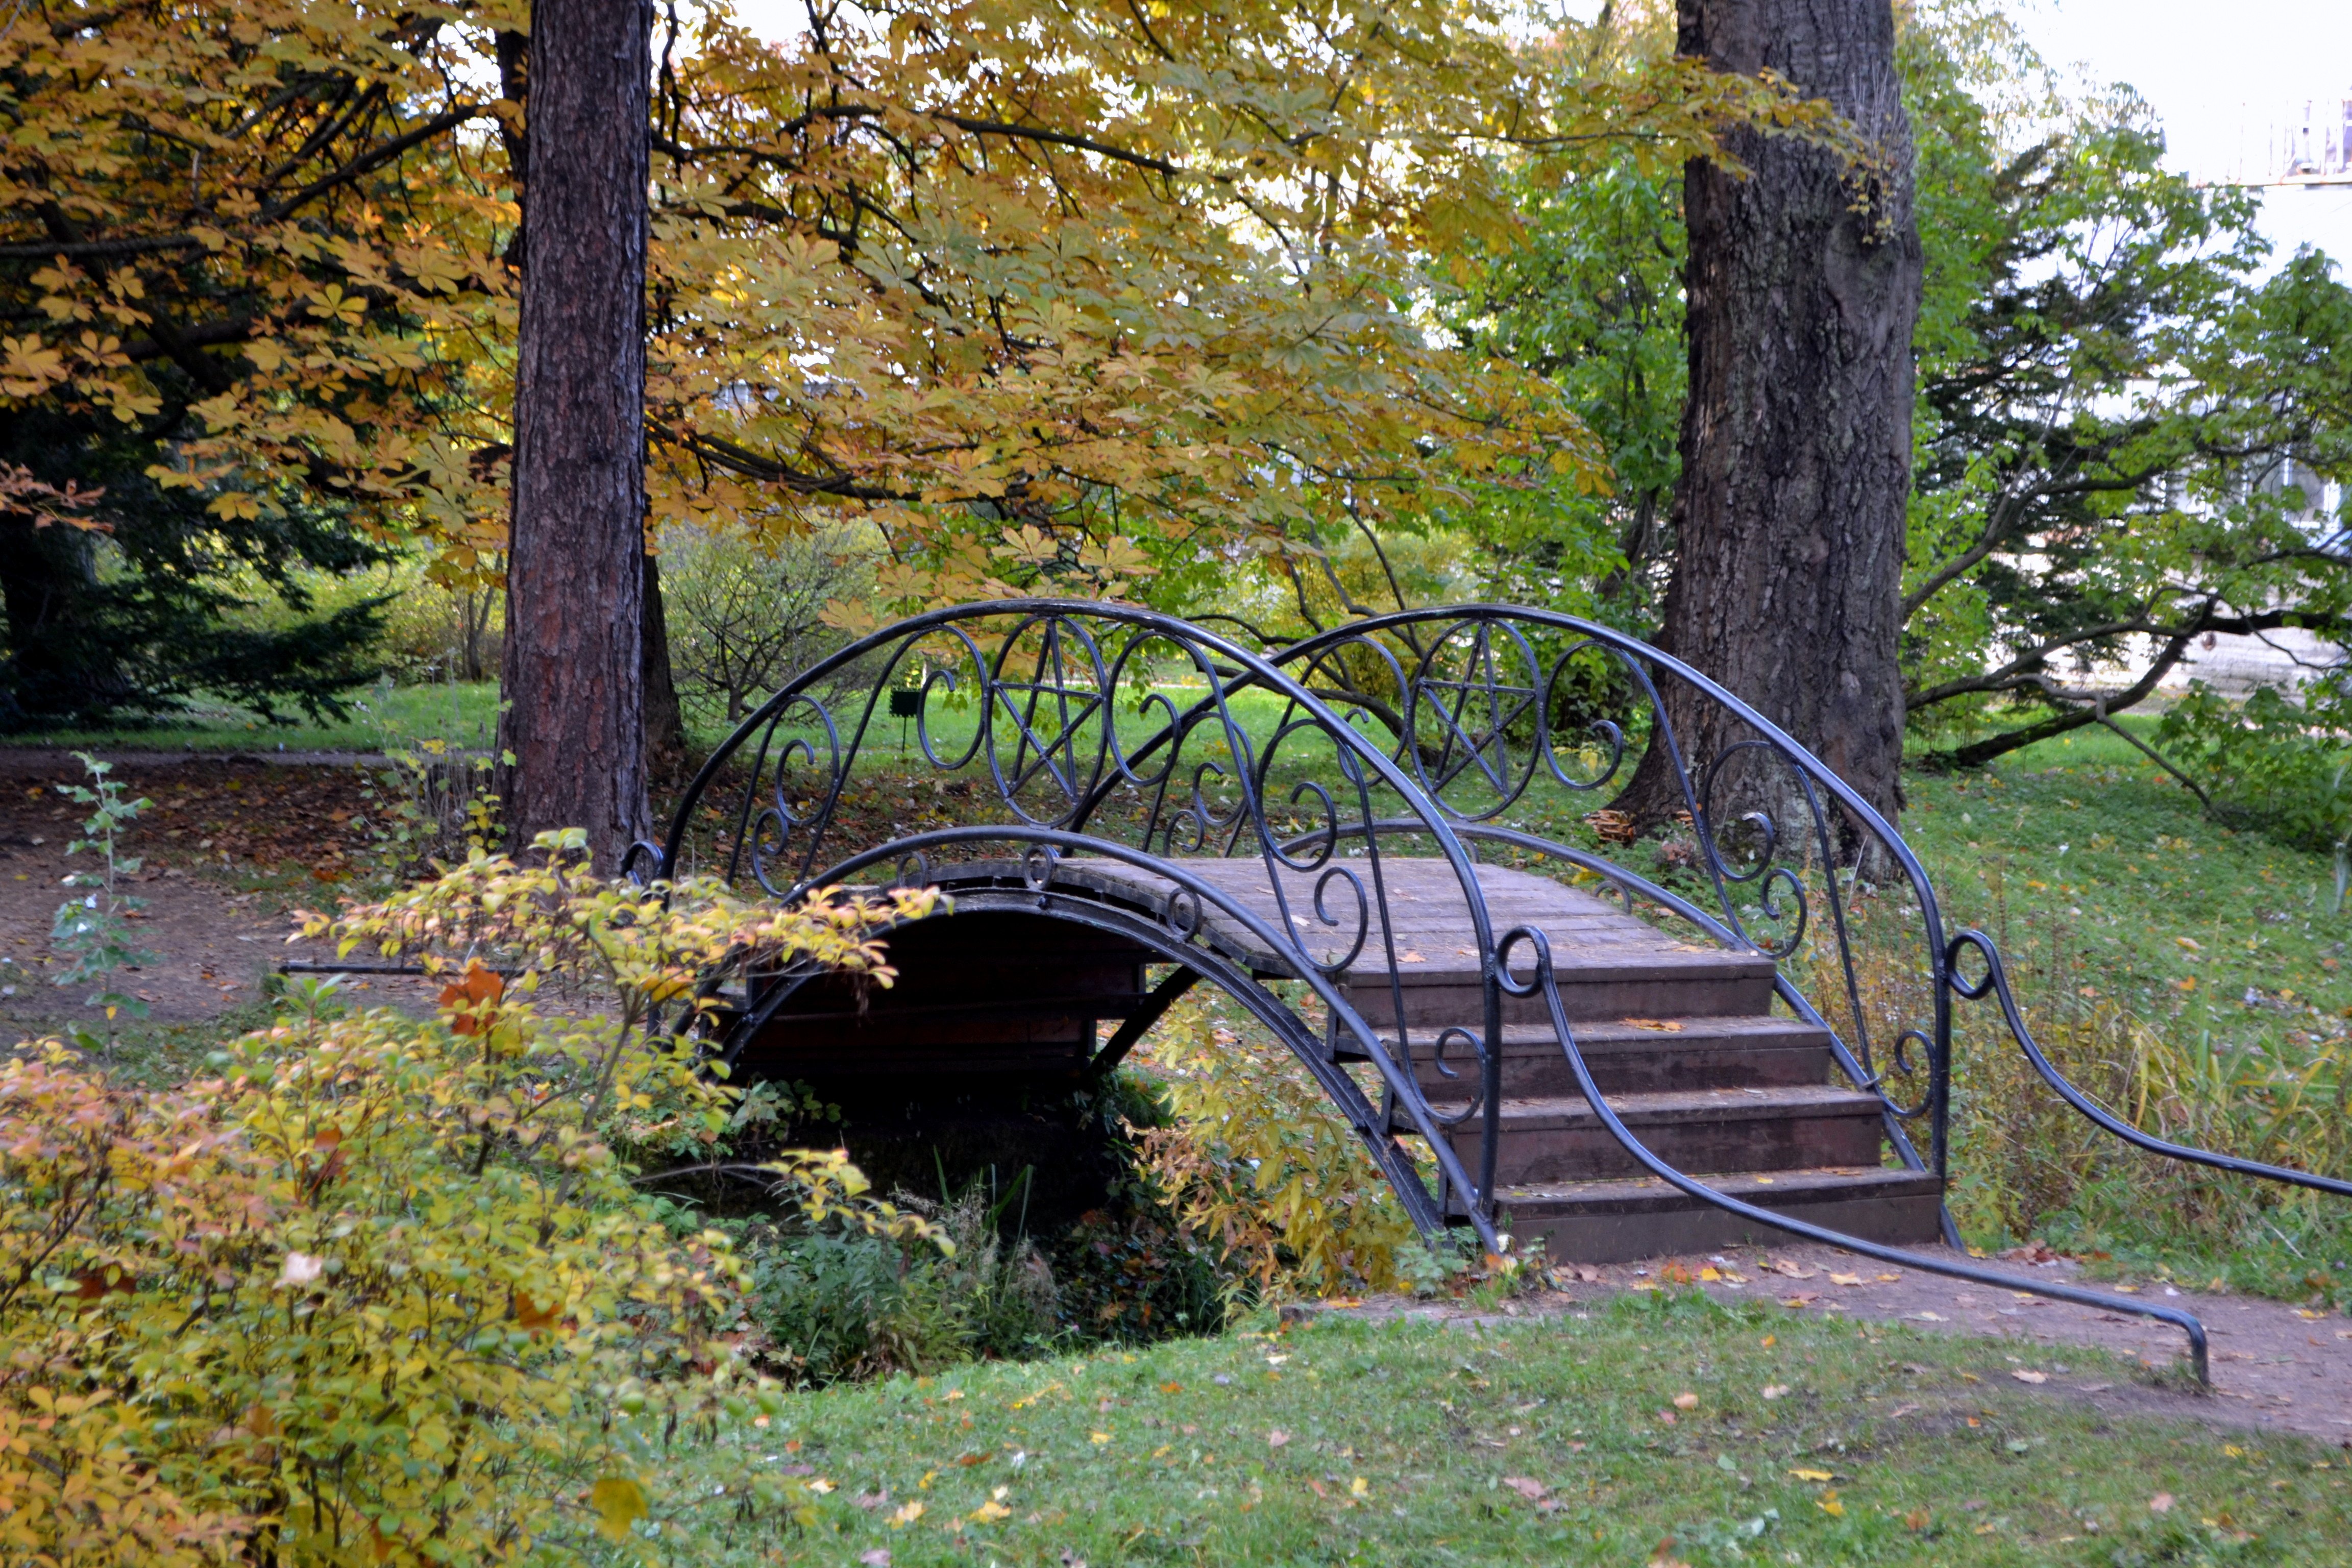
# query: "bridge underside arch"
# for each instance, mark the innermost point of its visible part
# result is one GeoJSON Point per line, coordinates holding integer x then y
{"type": "Point", "coordinates": [991, 1051]}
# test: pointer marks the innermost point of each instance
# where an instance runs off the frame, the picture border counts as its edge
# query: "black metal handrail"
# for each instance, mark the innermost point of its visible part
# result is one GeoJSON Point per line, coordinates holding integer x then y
{"type": "Point", "coordinates": [1485, 657]}
{"type": "Point", "coordinates": [1996, 983]}
{"type": "Point", "coordinates": [1544, 982]}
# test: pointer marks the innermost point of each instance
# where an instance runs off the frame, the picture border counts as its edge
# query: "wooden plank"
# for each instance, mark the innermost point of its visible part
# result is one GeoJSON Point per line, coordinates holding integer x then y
{"type": "Point", "coordinates": [1428, 918]}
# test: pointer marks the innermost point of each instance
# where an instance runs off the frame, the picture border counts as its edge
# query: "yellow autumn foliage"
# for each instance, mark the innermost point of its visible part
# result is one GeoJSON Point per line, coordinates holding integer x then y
{"type": "Point", "coordinates": [373, 1292]}
{"type": "Point", "coordinates": [1259, 1164]}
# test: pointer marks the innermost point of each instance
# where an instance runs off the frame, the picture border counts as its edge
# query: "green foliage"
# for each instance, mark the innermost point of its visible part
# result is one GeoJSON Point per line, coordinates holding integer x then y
{"type": "Point", "coordinates": [94, 931]}
{"type": "Point", "coordinates": [837, 1301]}
{"type": "Point", "coordinates": [745, 613]}
{"type": "Point", "coordinates": [2117, 416]}
{"type": "Point", "coordinates": [2270, 762]}
{"type": "Point", "coordinates": [168, 601]}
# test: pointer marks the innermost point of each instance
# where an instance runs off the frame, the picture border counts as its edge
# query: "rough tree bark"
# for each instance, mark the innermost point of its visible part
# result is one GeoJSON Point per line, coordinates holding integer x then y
{"type": "Point", "coordinates": [573, 677]}
{"type": "Point", "coordinates": [664, 723]}
{"type": "Point", "coordinates": [1802, 286]}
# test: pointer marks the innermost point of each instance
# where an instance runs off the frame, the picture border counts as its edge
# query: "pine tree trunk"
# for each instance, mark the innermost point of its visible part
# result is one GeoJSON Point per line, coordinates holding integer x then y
{"type": "Point", "coordinates": [573, 676]}
{"type": "Point", "coordinates": [1796, 440]}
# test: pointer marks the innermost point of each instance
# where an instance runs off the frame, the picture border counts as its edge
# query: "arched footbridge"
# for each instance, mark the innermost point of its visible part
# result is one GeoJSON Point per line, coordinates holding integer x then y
{"type": "Point", "coordinates": [1388, 844]}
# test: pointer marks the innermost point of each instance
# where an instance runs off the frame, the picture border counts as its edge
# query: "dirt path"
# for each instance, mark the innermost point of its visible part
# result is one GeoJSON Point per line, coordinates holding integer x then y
{"type": "Point", "coordinates": [2275, 1368]}
{"type": "Point", "coordinates": [230, 848]}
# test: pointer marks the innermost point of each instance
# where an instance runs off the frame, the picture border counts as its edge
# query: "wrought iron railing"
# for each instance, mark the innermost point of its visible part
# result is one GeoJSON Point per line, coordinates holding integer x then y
{"type": "Point", "coordinates": [1021, 711]}
{"type": "Point", "coordinates": [1491, 707]}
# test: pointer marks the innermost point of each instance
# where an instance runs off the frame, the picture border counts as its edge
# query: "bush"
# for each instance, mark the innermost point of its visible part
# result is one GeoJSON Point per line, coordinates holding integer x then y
{"type": "Point", "coordinates": [746, 614]}
{"type": "Point", "coordinates": [372, 1294]}
{"type": "Point", "coordinates": [1257, 1162]}
{"type": "Point", "coordinates": [838, 1300]}
{"type": "Point", "coordinates": [2269, 762]}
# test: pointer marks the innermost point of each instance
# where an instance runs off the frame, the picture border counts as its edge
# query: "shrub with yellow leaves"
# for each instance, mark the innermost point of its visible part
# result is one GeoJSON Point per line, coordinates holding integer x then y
{"type": "Point", "coordinates": [1259, 1163]}
{"type": "Point", "coordinates": [374, 1293]}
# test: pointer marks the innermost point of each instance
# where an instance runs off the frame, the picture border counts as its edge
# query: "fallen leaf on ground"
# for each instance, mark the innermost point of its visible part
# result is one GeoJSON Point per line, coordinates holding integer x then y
{"type": "Point", "coordinates": [1782, 1266]}
{"type": "Point", "coordinates": [1662, 1026]}
{"type": "Point", "coordinates": [1845, 1278]}
{"type": "Point", "coordinates": [1276, 1439]}
{"type": "Point", "coordinates": [1803, 1299]}
{"type": "Point", "coordinates": [906, 1514]}
{"type": "Point", "coordinates": [1928, 1317]}
{"type": "Point", "coordinates": [2160, 1503]}
{"type": "Point", "coordinates": [1828, 1503]}
{"type": "Point", "coordinates": [990, 1511]}
{"type": "Point", "coordinates": [2023, 1375]}
{"type": "Point", "coordinates": [1776, 1390]}
{"type": "Point", "coordinates": [877, 1558]}
{"type": "Point", "coordinates": [1685, 1401]}
{"type": "Point", "coordinates": [1533, 1490]}
{"type": "Point", "coordinates": [1813, 1475]}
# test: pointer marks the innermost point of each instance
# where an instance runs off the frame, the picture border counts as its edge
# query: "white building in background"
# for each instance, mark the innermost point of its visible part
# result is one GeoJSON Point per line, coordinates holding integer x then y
{"type": "Point", "coordinates": [2314, 149]}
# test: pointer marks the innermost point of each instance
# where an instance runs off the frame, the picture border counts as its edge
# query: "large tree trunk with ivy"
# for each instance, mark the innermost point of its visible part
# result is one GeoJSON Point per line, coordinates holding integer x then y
{"type": "Point", "coordinates": [1802, 286]}
{"type": "Point", "coordinates": [574, 675]}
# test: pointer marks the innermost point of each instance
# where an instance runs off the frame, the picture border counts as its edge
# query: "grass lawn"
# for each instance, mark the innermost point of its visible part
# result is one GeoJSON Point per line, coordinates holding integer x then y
{"type": "Point", "coordinates": [463, 714]}
{"type": "Point", "coordinates": [1655, 1430]}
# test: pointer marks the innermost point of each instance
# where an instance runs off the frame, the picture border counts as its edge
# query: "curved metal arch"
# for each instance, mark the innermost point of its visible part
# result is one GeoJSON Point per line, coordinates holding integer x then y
{"type": "Point", "coordinates": [1178, 944]}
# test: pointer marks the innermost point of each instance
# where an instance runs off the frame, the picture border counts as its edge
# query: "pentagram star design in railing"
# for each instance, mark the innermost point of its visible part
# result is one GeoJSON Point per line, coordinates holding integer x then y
{"type": "Point", "coordinates": [1072, 706]}
{"type": "Point", "coordinates": [1475, 747]}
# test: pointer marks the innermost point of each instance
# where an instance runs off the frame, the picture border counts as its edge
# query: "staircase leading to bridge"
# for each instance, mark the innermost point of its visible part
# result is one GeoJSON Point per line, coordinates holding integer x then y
{"type": "Point", "coordinates": [995, 1002]}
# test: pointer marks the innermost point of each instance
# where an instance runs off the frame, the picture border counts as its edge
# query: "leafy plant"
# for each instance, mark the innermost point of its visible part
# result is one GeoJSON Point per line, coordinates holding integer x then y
{"type": "Point", "coordinates": [369, 1294]}
{"type": "Point", "coordinates": [94, 931]}
{"type": "Point", "coordinates": [1255, 1162]}
{"type": "Point", "coordinates": [2272, 762]}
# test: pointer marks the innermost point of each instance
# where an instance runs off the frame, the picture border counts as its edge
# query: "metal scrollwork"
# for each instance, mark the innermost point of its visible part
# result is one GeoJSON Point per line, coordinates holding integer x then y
{"type": "Point", "coordinates": [1445, 1037]}
{"type": "Point", "coordinates": [1363, 926]}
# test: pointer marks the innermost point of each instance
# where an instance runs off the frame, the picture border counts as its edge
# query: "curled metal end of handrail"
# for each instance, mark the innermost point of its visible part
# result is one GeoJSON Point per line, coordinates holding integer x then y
{"type": "Point", "coordinates": [1995, 983]}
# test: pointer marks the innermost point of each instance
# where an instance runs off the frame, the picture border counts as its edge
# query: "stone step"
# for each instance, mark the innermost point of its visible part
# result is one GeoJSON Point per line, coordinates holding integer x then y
{"type": "Point", "coordinates": [1786, 1128]}
{"type": "Point", "coordinates": [1620, 1221]}
{"type": "Point", "coordinates": [1636, 1056]}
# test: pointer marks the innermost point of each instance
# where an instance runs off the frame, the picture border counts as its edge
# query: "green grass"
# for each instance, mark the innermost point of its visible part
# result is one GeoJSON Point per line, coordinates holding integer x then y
{"type": "Point", "coordinates": [463, 714]}
{"type": "Point", "coordinates": [1403, 1441]}
{"type": "Point", "coordinates": [2091, 848]}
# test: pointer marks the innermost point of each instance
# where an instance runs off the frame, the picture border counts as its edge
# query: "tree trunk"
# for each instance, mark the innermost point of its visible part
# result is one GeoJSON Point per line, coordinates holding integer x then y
{"type": "Point", "coordinates": [1796, 440]}
{"type": "Point", "coordinates": [665, 724]}
{"type": "Point", "coordinates": [574, 674]}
